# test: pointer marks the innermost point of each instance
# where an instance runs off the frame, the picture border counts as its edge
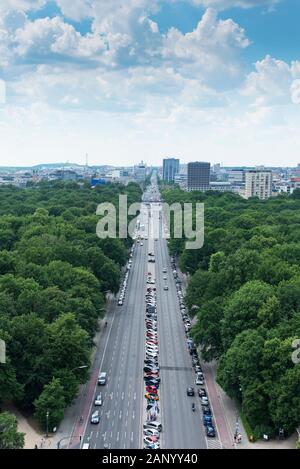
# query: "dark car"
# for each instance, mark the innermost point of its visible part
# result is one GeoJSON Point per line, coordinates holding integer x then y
{"type": "Point", "coordinates": [207, 420]}
{"type": "Point", "coordinates": [190, 391]}
{"type": "Point", "coordinates": [210, 431]}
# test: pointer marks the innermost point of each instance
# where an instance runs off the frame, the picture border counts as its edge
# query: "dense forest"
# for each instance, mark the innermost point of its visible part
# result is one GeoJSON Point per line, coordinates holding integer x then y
{"type": "Point", "coordinates": [245, 290]}
{"type": "Point", "coordinates": [54, 276]}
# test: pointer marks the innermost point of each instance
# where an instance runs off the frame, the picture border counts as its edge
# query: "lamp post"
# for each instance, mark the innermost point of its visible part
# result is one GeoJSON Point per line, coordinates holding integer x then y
{"type": "Point", "coordinates": [47, 424]}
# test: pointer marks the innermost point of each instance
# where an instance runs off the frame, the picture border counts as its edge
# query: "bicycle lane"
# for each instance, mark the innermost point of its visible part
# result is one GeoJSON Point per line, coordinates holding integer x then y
{"type": "Point", "coordinates": [224, 432]}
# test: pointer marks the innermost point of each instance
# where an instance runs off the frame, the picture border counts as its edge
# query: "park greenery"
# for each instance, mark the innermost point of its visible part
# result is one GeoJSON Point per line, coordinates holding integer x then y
{"type": "Point", "coordinates": [54, 276]}
{"type": "Point", "coordinates": [245, 290]}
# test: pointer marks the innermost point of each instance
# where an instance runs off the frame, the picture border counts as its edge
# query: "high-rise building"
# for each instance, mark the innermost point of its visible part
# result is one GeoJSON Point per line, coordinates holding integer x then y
{"type": "Point", "coordinates": [258, 184]}
{"type": "Point", "coordinates": [170, 169]}
{"type": "Point", "coordinates": [140, 172]}
{"type": "Point", "coordinates": [198, 176]}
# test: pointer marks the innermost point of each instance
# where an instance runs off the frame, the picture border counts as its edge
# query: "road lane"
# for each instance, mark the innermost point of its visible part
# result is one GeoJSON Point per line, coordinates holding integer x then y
{"type": "Point", "coordinates": [183, 428]}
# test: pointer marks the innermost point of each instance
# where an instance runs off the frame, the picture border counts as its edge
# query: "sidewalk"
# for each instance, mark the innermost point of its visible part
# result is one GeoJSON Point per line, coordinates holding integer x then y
{"type": "Point", "coordinates": [32, 435]}
{"type": "Point", "coordinates": [70, 430]}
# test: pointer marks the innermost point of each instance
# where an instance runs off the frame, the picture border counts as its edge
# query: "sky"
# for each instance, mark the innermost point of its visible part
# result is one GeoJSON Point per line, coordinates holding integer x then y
{"type": "Point", "coordinates": [125, 81]}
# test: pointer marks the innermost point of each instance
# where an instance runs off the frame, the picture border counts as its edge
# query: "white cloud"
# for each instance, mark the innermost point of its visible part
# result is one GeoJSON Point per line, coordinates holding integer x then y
{"type": "Point", "coordinates": [45, 38]}
{"type": "Point", "coordinates": [20, 5]}
{"type": "Point", "coordinates": [223, 4]}
{"type": "Point", "coordinates": [272, 81]}
{"type": "Point", "coordinates": [213, 48]}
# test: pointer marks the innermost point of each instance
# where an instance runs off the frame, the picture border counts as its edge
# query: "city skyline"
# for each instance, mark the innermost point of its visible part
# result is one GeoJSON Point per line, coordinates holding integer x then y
{"type": "Point", "coordinates": [205, 80]}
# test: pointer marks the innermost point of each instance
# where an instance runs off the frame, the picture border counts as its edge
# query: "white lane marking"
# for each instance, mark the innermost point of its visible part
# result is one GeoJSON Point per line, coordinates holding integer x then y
{"type": "Point", "coordinates": [95, 446]}
{"type": "Point", "coordinates": [113, 422]}
{"type": "Point", "coordinates": [118, 436]}
{"type": "Point", "coordinates": [134, 396]}
{"type": "Point", "coordinates": [133, 415]}
{"type": "Point", "coordinates": [131, 437]}
{"type": "Point", "coordinates": [123, 395]}
{"type": "Point", "coordinates": [97, 435]}
{"type": "Point", "coordinates": [120, 415]}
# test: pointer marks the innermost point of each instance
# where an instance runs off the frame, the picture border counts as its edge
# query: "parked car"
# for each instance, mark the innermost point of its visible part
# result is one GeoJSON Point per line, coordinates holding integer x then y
{"type": "Point", "coordinates": [210, 431]}
{"type": "Point", "coordinates": [190, 391]}
{"type": "Point", "coordinates": [95, 418]}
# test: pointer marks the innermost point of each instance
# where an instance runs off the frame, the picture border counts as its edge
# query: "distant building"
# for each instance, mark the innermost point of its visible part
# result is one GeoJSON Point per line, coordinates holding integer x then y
{"type": "Point", "coordinates": [198, 176]}
{"type": "Point", "coordinates": [140, 172]}
{"type": "Point", "coordinates": [181, 180]}
{"type": "Point", "coordinates": [258, 184]}
{"type": "Point", "coordinates": [236, 176]}
{"type": "Point", "coordinates": [221, 186]}
{"type": "Point", "coordinates": [170, 169]}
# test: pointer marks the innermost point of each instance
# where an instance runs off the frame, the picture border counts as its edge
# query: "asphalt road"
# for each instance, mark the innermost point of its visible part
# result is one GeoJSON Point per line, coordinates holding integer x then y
{"type": "Point", "coordinates": [121, 355]}
{"type": "Point", "coordinates": [122, 410]}
{"type": "Point", "coordinates": [183, 428]}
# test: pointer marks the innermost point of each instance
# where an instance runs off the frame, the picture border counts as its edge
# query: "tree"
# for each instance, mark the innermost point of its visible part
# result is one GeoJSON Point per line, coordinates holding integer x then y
{"type": "Point", "coordinates": [51, 402]}
{"type": "Point", "coordinates": [242, 309]}
{"type": "Point", "coordinates": [10, 438]}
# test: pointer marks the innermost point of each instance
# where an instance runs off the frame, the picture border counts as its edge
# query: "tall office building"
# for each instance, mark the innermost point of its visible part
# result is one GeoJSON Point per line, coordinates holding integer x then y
{"type": "Point", "coordinates": [198, 176]}
{"type": "Point", "coordinates": [259, 184]}
{"type": "Point", "coordinates": [170, 169]}
{"type": "Point", "coordinates": [140, 172]}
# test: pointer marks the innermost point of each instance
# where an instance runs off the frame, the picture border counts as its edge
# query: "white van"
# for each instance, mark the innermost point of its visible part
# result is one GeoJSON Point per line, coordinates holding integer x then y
{"type": "Point", "coordinates": [86, 446]}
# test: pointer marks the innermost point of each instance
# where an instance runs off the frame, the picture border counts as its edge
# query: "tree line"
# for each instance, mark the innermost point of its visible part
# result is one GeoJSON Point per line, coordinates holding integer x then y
{"type": "Point", "coordinates": [54, 276]}
{"type": "Point", "coordinates": [245, 290]}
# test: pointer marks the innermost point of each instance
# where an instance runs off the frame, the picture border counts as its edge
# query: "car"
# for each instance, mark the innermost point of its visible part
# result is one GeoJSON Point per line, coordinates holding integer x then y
{"type": "Point", "coordinates": [207, 420]}
{"type": "Point", "coordinates": [164, 271]}
{"type": "Point", "coordinates": [202, 392]}
{"type": "Point", "coordinates": [204, 401]}
{"type": "Point", "coordinates": [120, 303]}
{"type": "Point", "coordinates": [166, 288]}
{"type": "Point", "coordinates": [149, 369]}
{"type": "Point", "coordinates": [151, 432]}
{"type": "Point", "coordinates": [206, 411]}
{"type": "Point", "coordinates": [190, 391]}
{"type": "Point", "coordinates": [142, 244]}
{"type": "Point", "coordinates": [198, 369]}
{"type": "Point", "coordinates": [199, 381]}
{"type": "Point", "coordinates": [95, 418]}
{"type": "Point", "coordinates": [98, 400]}
{"type": "Point", "coordinates": [150, 439]}
{"type": "Point", "coordinates": [165, 277]}
{"type": "Point", "coordinates": [155, 425]}
{"type": "Point", "coordinates": [210, 431]}
{"type": "Point", "coordinates": [102, 378]}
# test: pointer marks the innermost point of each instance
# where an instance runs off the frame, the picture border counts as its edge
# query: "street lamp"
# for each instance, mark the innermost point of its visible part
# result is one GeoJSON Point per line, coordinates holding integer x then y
{"type": "Point", "coordinates": [47, 424]}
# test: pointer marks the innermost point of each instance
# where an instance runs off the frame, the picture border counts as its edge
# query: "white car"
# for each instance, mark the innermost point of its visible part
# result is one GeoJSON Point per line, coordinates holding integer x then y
{"type": "Point", "coordinates": [98, 400]}
{"type": "Point", "coordinates": [199, 381]}
{"type": "Point", "coordinates": [204, 400]}
{"type": "Point", "coordinates": [151, 432]}
{"type": "Point", "coordinates": [155, 425]}
{"type": "Point", "coordinates": [120, 302]}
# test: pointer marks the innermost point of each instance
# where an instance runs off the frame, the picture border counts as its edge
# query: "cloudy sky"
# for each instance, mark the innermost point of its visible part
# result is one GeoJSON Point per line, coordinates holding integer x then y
{"type": "Point", "coordinates": [125, 80]}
